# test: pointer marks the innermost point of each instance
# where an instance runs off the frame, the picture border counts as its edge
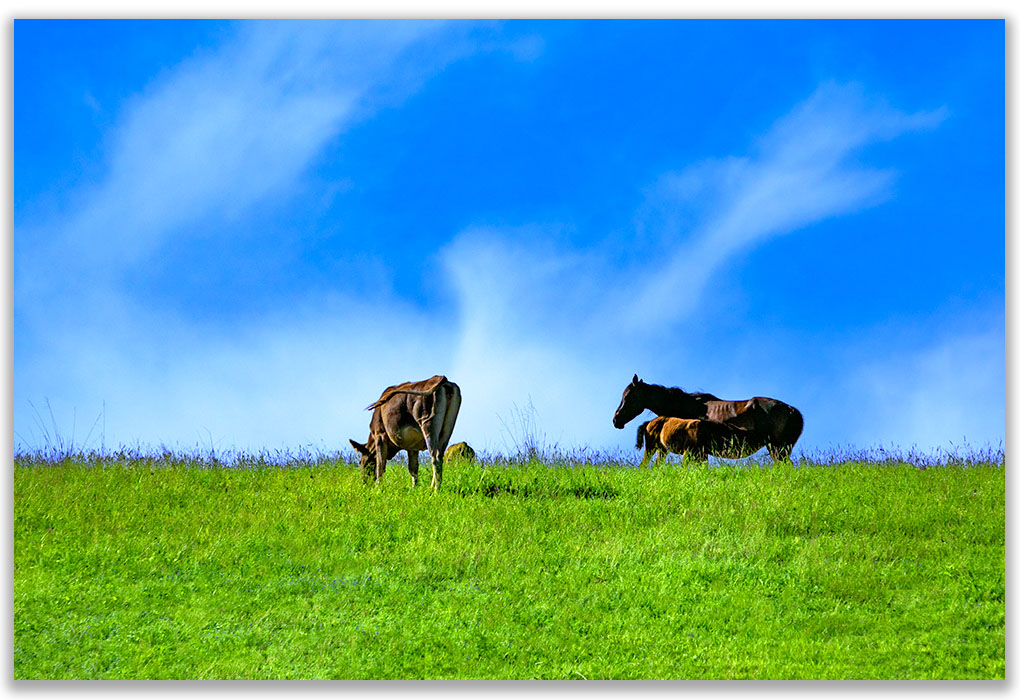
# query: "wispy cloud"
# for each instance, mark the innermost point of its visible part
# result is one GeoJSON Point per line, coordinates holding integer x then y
{"type": "Point", "coordinates": [538, 321]}
{"type": "Point", "coordinates": [298, 377]}
{"type": "Point", "coordinates": [522, 338]}
{"type": "Point", "coordinates": [800, 172]}
{"type": "Point", "coordinates": [209, 141]}
{"type": "Point", "coordinates": [224, 131]}
{"type": "Point", "coordinates": [545, 324]}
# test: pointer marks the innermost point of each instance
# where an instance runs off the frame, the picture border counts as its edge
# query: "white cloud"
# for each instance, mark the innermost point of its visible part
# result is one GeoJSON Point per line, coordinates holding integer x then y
{"type": "Point", "coordinates": [224, 131]}
{"type": "Point", "coordinates": [296, 378]}
{"type": "Point", "coordinates": [951, 391]}
{"type": "Point", "coordinates": [208, 140]}
{"type": "Point", "coordinates": [529, 336]}
{"type": "Point", "coordinates": [544, 324]}
{"type": "Point", "coordinates": [801, 172]}
{"type": "Point", "coordinates": [538, 323]}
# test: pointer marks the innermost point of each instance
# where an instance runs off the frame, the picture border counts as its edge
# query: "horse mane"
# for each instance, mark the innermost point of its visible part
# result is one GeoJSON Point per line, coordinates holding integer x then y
{"type": "Point", "coordinates": [703, 396]}
{"type": "Point", "coordinates": [674, 392]}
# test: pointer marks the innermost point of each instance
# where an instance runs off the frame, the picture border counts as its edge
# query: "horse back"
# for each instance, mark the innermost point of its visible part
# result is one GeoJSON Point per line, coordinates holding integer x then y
{"type": "Point", "coordinates": [403, 410]}
{"type": "Point", "coordinates": [424, 387]}
{"type": "Point", "coordinates": [757, 413]}
{"type": "Point", "coordinates": [745, 414]}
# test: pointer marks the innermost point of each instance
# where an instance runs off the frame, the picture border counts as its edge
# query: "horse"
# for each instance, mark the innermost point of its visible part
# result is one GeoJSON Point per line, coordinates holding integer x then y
{"type": "Point", "coordinates": [696, 437]}
{"type": "Point", "coordinates": [779, 423]}
{"type": "Point", "coordinates": [412, 416]}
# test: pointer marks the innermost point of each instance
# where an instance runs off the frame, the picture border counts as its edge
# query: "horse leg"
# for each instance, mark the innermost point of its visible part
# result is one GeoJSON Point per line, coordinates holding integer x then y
{"type": "Point", "coordinates": [447, 406]}
{"type": "Point", "coordinates": [649, 453]}
{"type": "Point", "coordinates": [380, 460]}
{"type": "Point", "coordinates": [650, 449]}
{"type": "Point", "coordinates": [658, 455]}
{"type": "Point", "coordinates": [449, 418]}
{"type": "Point", "coordinates": [695, 455]}
{"type": "Point", "coordinates": [412, 466]}
{"type": "Point", "coordinates": [432, 430]}
{"type": "Point", "coordinates": [780, 453]}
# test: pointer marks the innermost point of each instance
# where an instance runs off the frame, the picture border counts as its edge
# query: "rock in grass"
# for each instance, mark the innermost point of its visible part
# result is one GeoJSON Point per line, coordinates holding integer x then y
{"type": "Point", "coordinates": [461, 451]}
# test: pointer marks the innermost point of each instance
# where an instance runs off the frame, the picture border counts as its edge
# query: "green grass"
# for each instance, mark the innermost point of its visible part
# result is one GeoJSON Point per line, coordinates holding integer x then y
{"type": "Point", "coordinates": [154, 568]}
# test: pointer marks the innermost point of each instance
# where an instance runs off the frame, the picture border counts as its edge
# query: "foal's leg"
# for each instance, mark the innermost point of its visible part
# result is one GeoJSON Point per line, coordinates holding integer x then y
{"type": "Point", "coordinates": [693, 455]}
{"type": "Point", "coordinates": [650, 449]}
{"type": "Point", "coordinates": [646, 459]}
{"type": "Point", "coordinates": [412, 466]}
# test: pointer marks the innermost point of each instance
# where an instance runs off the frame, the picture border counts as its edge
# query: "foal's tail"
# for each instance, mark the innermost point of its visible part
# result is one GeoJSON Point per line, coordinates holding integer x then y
{"type": "Point", "coordinates": [641, 434]}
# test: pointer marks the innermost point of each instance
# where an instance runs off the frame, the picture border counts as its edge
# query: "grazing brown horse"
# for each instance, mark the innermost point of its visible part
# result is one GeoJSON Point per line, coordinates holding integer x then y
{"type": "Point", "coordinates": [779, 423]}
{"type": "Point", "coordinates": [412, 416]}
{"type": "Point", "coordinates": [697, 438]}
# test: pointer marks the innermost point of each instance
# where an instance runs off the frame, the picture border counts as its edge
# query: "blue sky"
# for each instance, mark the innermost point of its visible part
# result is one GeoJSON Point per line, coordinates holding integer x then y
{"type": "Point", "coordinates": [235, 234]}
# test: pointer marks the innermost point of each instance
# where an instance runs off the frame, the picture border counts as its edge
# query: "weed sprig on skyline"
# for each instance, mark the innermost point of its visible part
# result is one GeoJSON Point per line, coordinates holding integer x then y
{"type": "Point", "coordinates": [533, 454]}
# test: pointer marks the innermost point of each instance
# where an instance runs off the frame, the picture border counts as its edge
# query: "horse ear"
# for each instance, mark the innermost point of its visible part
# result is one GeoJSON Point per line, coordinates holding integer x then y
{"type": "Point", "coordinates": [635, 380]}
{"type": "Point", "coordinates": [363, 449]}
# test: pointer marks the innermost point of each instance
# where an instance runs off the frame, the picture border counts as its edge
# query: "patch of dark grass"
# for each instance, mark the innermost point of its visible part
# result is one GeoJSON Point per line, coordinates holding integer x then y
{"type": "Point", "coordinates": [531, 482]}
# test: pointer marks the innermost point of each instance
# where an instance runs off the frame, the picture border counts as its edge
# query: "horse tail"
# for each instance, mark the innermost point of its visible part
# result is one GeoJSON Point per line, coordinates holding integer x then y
{"type": "Point", "coordinates": [785, 435]}
{"type": "Point", "coordinates": [794, 426]}
{"type": "Point", "coordinates": [641, 434]}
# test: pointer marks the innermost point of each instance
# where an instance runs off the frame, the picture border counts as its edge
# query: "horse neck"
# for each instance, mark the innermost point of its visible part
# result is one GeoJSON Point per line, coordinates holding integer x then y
{"type": "Point", "coordinates": [665, 401]}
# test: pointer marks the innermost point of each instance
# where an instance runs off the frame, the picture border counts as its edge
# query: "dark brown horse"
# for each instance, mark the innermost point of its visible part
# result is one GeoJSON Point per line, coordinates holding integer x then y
{"type": "Point", "coordinates": [412, 416]}
{"type": "Point", "coordinates": [779, 423]}
{"type": "Point", "coordinates": [696, 437]}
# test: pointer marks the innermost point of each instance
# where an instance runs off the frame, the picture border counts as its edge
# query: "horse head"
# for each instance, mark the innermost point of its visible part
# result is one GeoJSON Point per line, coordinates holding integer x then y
{"type": "Point", "coordinates": [367, 453]}
{"type": "Point", "coordinates": [631, 404]}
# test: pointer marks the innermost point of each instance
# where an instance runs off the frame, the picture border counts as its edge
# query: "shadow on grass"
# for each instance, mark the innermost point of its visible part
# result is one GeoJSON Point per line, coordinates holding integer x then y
{"type": "Point", "coordinates": [493, 489]}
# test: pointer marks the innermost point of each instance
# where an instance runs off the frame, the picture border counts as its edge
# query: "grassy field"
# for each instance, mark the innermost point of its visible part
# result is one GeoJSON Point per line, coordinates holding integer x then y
{"type": "Point", "coordinates": [168, 567]}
